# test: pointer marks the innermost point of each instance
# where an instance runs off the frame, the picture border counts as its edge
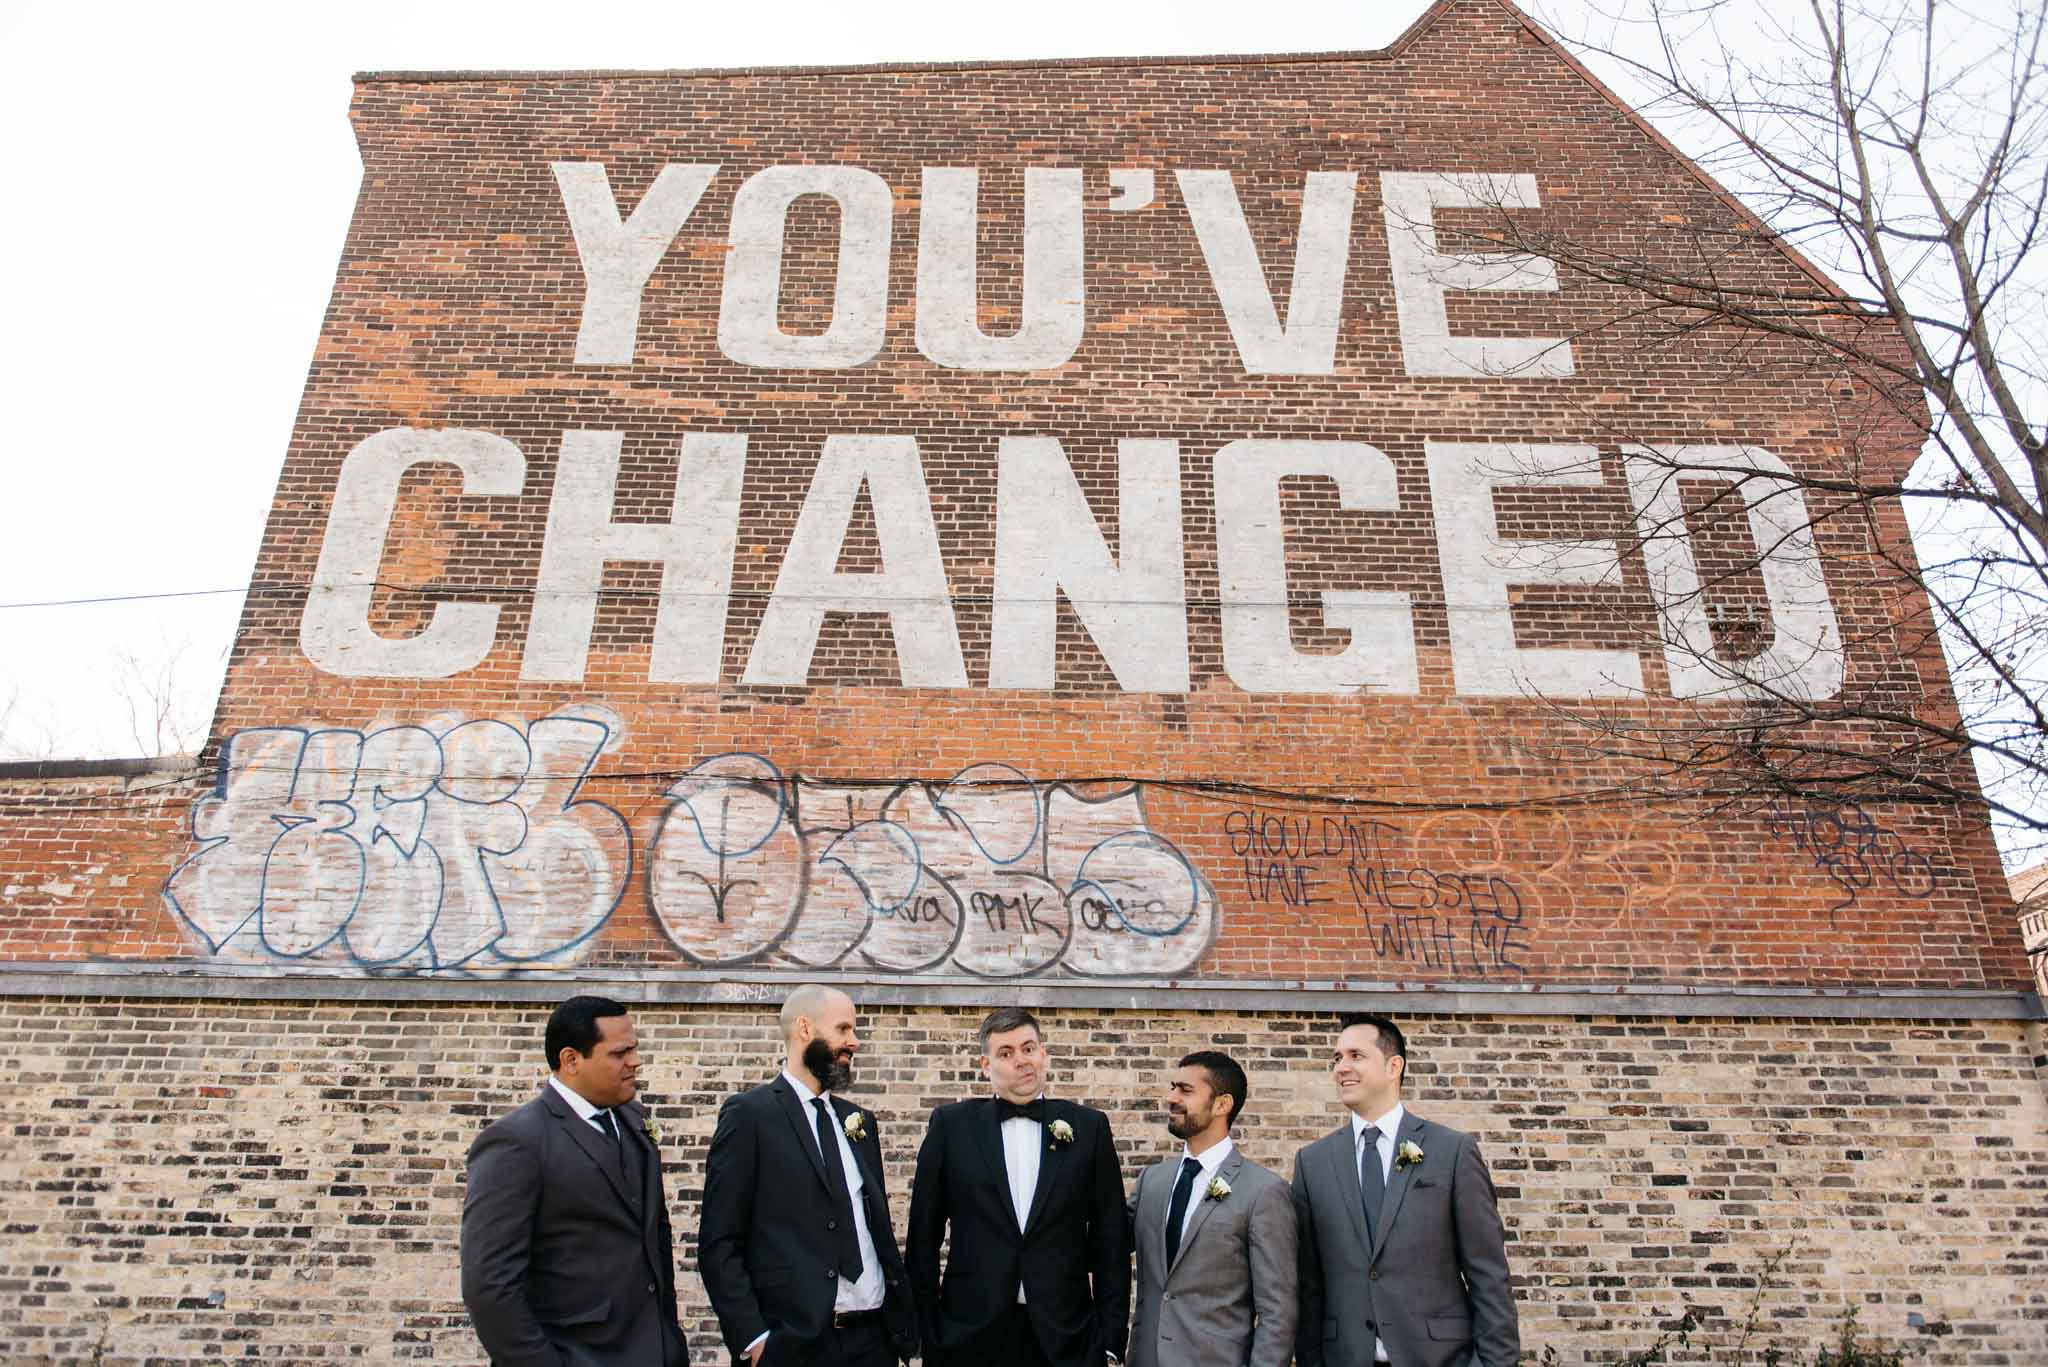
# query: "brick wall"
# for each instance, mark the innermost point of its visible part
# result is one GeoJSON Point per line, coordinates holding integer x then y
{"type": "Point", "coordinates": [678, 792]}
{"type": "Point", "coordinates": [304, 1161]}
{"type": "Point", "coordinates": [1289, 894]}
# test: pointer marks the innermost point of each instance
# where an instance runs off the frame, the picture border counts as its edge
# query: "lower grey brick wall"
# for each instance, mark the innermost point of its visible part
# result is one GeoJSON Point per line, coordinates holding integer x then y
{"type": "Point", "coordinates": [206, 1179]}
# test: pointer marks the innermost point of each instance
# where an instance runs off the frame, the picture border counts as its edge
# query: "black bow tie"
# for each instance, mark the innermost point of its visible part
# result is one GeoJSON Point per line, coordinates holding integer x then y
{"type": "Point", "coordinates": [1033, 1111]}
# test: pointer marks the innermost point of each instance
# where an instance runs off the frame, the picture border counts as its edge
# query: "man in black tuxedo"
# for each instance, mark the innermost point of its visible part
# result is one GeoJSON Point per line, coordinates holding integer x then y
{"type": "Point", "coordinates": [794, 1243]}
{"type": "Point", "coordinates": [566, 1253]}
{"type": "Point", "coordinates": [1038, 1275]}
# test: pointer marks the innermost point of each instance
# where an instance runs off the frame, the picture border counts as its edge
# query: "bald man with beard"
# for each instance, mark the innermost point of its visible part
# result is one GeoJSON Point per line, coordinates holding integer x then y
{"type": "Point", "coordinates": [794, 1242]}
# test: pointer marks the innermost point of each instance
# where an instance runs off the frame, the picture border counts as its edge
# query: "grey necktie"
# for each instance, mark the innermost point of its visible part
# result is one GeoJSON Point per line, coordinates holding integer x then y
{"type": "Point", "coordinates": [1372, 1182]}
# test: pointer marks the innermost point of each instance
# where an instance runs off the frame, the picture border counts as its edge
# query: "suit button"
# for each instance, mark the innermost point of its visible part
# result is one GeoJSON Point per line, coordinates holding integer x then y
{"type": "Point", "coordinates": [831, 1224]}
{"type": "Point", "coordinates": [650, 1288]}
{"type": "Point", "coordinates": [1375, 1274]}
{"type": "Point", "coordinates": [830, 1275]}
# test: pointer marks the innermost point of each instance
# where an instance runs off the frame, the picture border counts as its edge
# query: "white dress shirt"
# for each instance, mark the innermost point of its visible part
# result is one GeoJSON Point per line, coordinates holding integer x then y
{"type": "Point", "coordinates": [1023, 1147]}
{"type": "Point", "coordinates": [867, 1293]}
{"type": "Point", "coordinates": [1389, 1126]}
{"type": "Point", "coordinates": [579, 1104]}
{"type": "Point", "coordinates": [1211, 1159]}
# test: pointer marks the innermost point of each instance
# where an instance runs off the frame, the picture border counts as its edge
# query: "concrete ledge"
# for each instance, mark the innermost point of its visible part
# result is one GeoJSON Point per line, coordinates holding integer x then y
{"type": "Point", "coordinates": [173, 979]}
{"type": "Point", "coordinates": [44, 770]}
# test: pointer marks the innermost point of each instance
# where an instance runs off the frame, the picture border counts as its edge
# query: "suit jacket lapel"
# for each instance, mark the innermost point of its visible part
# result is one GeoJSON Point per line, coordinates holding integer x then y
{"type": "Point", "coordinates": [1048, 1162]}
{"type": "Point", "coordinates": [1397, 1180]}
{"type": "Point", "coordinates": [636, 1134]}
{"type": "Point", "coordinates": [800, 1120]}
{"type": "Point", "coordinates": [585, 1136]}
{"type": "Point", "coordinates": [650, 1192]}
{"type": "Point", "coordinates": [1343, 1150]}
{"type": "Point", "coordinates": [1155, 1194]}
{"type": "Point", "coordinates": [1202, 1204]}
{"type": "Point", "coordinates": [870, 1175]}
{"type": "Point", "coordinates": [988, 1134]}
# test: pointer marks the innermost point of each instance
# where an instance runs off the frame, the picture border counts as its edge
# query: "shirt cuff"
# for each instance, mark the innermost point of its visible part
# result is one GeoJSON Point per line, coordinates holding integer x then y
{"type": "Point", "coordinates": [755, 1344]}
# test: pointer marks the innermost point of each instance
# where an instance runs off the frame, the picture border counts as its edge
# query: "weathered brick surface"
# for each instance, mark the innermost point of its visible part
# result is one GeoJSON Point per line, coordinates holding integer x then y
{"type": "Point", "coordinates": [305, 1162]}
{"type": "Point", "coordinates": [1432, 837]}
{"type": "Point", "coordinates": [1595, 896]}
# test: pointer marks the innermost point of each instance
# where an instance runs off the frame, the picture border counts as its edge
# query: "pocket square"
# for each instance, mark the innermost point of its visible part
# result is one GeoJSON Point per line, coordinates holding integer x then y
{"type": "Point", "coordinates": [1421, 1182]}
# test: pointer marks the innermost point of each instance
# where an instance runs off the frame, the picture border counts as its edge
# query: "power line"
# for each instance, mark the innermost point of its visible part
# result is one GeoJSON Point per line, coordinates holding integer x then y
{"type": "Point", "coordinates": [123, 598]}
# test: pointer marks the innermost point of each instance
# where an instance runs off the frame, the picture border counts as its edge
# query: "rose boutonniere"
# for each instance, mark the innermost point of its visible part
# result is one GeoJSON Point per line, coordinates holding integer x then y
{"type": "Point", "coordinates": [1062, 1132]}
{"type": "Point", "coordinates": [856, 1126]}
{"type": "Point", "coordinates": [1218, 1189]}
{"type": "Point", "coordinates": [651, 1130]}
{"type": "Point", "coordinates": [1408, 1154]}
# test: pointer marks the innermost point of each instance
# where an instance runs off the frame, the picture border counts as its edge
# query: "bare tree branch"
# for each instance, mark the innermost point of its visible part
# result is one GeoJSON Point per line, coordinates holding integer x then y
{"type": "Point", "coordinates": [1902, 147]}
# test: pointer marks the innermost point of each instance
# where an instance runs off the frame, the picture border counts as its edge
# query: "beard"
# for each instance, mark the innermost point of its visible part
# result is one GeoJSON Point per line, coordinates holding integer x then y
{"type": "Point", "coordinates": [1183, 1125]}
{"type": "Point", "coordinates": [833, 1073]}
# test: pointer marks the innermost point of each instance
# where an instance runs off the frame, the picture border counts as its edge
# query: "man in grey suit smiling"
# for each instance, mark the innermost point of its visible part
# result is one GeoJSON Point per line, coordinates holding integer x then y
{"type": "Point", "coordinates": [1215, 1235]}
{"type": "Point", "coordinates": [1403, 1258]}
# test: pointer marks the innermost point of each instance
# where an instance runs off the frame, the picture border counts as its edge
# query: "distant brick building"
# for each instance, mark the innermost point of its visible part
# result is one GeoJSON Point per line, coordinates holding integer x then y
{"type": "Point", "coordinates": [1056, 532]}
{"type": "Point", "coordinates": [2030, 893]}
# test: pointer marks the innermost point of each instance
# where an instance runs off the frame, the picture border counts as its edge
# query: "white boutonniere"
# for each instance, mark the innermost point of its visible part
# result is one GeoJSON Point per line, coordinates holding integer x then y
{"type": "Point", "coordinates": [1218, 1189]}
{"type": "Point", "coordinates": [651, 1130]}
{"type": "Point", "coordinates": [856, 1126]}
{"type": "Point", "coordinates": [1408, 1154]}
{"type": "Point", "coordinates": [1061, 1131]}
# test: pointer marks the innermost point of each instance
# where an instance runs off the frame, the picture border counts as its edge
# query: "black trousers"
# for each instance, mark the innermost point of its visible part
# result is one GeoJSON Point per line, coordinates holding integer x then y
{"type": "Point", "coordinates": [1019, 1342]}
{"type": "Point", "coordinates": [863, 1345]}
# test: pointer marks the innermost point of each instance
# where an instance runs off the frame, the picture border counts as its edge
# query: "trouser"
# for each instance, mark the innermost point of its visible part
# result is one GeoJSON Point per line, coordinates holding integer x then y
{"type": "Point", "coordinates": [863, 1343]}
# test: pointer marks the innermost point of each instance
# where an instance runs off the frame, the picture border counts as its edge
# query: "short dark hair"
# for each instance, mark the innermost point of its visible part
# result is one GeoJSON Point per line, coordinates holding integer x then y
{"type": "Point", "coordinates": [1226, 1078]}
{"type": "Point", "coordinates": [1392, 1043]}
{"type": "Point", "coordinates": [1003, 1020]}
{"type": "Point", "coordinates": [574, 1026]}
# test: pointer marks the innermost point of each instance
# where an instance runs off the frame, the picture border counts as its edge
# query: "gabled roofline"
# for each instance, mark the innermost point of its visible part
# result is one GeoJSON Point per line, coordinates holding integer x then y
{"type": "Point", "coordinates": [1648, 130]}
{"type": "Point", "coordinates": [871, 68]}
{"type": "Point", "coordinates": [1387, 53]}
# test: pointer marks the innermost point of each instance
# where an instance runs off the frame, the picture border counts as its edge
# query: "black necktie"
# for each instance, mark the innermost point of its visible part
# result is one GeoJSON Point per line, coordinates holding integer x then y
{"type": "Point", "coordinates": [842, 1196]}
{"type": "Point", "coordinates": [1033, 1111]}
{"type": "Point", "coordinates": [1372, 1181]}
{"type": "Point", "coordinates": [1177, 1212]}
{"type": "Point", "coordinates": [606, 1123]}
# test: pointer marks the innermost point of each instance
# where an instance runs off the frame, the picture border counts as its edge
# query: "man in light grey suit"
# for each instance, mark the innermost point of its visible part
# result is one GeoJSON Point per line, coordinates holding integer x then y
{"type": "Point", "coordinates": [1215, 1235]}
{"type": "Point", "coordinates": [1403, 1258]}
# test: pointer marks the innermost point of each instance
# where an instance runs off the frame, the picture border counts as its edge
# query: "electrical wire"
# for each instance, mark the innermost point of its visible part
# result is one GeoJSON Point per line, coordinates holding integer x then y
{"type": "Point", "coordinates": [126, 598]}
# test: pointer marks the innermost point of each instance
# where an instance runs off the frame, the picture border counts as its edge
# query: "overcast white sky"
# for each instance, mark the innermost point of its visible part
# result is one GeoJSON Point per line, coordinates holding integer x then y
{"type": "Point", "coordinates": [182, 180]}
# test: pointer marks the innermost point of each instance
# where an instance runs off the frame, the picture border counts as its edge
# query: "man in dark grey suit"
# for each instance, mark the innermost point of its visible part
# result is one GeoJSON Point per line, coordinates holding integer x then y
{"type": "Point", "coordinates": [1403, 1258]}
{"type": "Point", "coordinates": [1215, 1235]}
{"type": "Point", "coordinates": [567, 1259]}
